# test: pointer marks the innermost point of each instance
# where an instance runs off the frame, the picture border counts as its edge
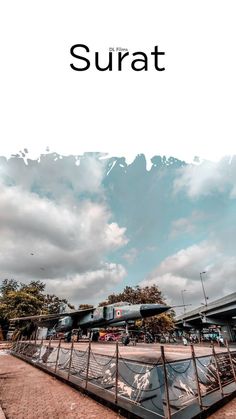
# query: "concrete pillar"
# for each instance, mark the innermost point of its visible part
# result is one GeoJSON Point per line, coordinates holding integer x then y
{"type": "Point", "coordinates": [226, 332]}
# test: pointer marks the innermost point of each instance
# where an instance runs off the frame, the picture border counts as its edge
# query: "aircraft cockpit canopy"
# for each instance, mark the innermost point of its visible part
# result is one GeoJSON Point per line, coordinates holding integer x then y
{"type": "Point", "coordinates": [65, 321]}
{"type": "Point", "coordinates": [121, 303]}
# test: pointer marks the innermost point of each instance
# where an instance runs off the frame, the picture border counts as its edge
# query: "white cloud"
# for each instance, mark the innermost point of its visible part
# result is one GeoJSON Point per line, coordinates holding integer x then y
{"type": "Point", "coordinates": [208, 178]}
{"type": "Point", "coordinates": [186, 225]}
{"type": "Point", "coordinates": [181, 271]}
{"type": "Point", "coordinates": [131, 255]}
{"type": "Point", "coordinates": [59, 177]}
{"type": "Point", "coordinates": [62, 238]}
{"type": "Point", "coordinates": [89, 286]}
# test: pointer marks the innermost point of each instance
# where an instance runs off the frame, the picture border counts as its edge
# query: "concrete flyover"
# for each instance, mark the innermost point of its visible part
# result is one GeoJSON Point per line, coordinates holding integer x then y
{"type": "Point", "coordinates": [218, 316]}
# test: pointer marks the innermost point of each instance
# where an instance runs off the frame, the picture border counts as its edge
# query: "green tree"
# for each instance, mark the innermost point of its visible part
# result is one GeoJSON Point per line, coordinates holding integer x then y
{"type": "Point", "coordinates": [21, 300]}
{"type": "Point", "coordinates": [34, 287]}
{"type": "Point", "coordinates": [8, 285]}
{"type": "Point", "coordinates": [137, 295]}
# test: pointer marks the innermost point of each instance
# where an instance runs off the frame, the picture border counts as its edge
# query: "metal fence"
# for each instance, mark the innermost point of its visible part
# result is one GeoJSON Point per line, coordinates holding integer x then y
{"type": "Point", "coordinates": [162, 390]}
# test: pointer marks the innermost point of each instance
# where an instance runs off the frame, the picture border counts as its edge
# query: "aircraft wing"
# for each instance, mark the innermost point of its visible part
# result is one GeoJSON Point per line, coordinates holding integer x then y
{"type": "Point", "coordinates": [46, 317]}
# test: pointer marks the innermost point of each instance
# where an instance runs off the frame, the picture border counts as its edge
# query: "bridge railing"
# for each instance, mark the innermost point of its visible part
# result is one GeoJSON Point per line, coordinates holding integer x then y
{"type": "Point", "coordinates": [163, 389]}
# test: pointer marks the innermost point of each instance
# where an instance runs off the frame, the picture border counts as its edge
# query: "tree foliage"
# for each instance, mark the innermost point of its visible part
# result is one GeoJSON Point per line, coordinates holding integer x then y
{"type": "Point", "coordinates": [18, 299]}
{"type": "Point", "coordinates": [137, 295]}
{"type": "Point", "coordinates": [8, 285]}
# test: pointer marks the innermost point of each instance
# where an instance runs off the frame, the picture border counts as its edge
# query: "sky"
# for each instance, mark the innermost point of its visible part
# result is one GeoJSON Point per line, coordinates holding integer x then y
{"type": "Point", "coordinates": [88, 225]}
{"type": "Point", "coordinates": [116, 178]}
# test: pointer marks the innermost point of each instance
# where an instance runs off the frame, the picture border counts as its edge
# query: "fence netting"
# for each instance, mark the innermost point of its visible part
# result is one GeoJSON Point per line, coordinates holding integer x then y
{"type": "Point", "coordinates": [140, 383]}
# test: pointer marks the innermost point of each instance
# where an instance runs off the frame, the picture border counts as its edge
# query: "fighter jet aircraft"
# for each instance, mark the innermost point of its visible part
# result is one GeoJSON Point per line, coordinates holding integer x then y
{"type": "Point", "coordinates": [118, 314]}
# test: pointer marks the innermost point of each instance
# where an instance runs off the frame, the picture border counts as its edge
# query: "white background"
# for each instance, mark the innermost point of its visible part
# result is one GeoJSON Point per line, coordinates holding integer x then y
{"type": "Point", "coordinates": [187, 110]}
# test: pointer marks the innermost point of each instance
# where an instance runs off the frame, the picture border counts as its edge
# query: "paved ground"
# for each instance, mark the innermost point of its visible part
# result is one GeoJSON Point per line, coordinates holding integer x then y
{"type": "Point", "coordinates": [28, 393]}
{"type": "Point", "coordinates": [143, 351]}
{"type": "Point", "coordinates": [226, 412]}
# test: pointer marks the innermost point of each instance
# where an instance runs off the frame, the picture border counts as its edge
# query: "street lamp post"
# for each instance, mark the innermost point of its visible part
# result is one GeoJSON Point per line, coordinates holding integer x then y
{"type": "Point", "coordinates": [203, 289]}
{"type": "Point", "coordinates": [182, 293]}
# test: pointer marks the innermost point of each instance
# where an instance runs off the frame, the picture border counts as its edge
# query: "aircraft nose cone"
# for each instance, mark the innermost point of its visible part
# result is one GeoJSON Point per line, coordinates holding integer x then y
{"type": "Point", "coordinates": [148, 310]}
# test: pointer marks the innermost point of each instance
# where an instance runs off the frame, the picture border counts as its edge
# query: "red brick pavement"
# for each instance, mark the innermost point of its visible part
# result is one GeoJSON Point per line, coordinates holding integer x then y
{"type": "Point", "coordinates": [28, 393]}
{"type": "Point", "coordinates": [226, 412]}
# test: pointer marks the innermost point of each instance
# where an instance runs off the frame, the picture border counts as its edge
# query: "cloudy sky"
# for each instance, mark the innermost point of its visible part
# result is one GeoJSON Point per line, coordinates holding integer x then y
{"type": "Point", "coordinates": [88, 225]}
{"type": "Point", "coordinates": [78, 209]}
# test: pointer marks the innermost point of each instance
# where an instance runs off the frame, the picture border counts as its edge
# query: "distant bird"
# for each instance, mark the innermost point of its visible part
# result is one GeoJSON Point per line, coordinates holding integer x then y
{"type": "Point", "coordinates": [42, 269]}
{"type": "Point", "coordinates": [32, 254]}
